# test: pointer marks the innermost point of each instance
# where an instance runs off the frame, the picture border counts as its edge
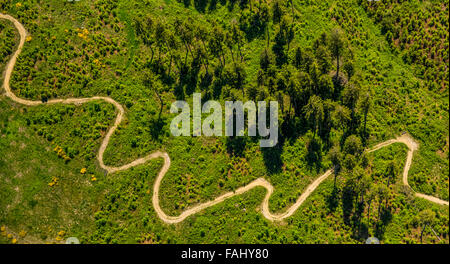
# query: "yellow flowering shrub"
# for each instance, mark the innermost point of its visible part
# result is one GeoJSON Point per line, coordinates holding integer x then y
{"type": "Point", "coordinates": [61, 153]}
{"type": "Point", "coordinates": [82, 33]}
{"type": "Point", "coordinates": [60, 235]}
{"type": "Point", "coordinates": [22, 233]}
{"type": "Point", "coordinates": [53, 182]}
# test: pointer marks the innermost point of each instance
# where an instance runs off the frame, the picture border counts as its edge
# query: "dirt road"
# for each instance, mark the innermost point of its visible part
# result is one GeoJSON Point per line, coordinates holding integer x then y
{"type": "Point", "coordinates": [260, 182]}
{"type": "Point", "coordinates": [412, 146]}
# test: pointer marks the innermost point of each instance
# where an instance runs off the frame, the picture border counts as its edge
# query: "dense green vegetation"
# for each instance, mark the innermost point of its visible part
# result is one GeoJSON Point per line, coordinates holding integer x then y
{"type": "Point", "coordinates": [346, 74]}
{"type": "Point", "coordinates": [7, 43]}
{"type": "Point", "coordinates": [420, 30]}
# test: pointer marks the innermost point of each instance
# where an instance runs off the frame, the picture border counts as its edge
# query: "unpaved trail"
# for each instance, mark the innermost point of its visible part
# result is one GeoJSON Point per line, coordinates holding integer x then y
{"type": "Point", "coordinates": [260, 182]}
{"type": "Point", "coordinates": [412, 146]}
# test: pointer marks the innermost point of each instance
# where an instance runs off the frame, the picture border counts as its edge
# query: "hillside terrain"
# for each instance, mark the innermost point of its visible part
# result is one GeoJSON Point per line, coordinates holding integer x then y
{"type": "Point", "coordinates": [348, 75]}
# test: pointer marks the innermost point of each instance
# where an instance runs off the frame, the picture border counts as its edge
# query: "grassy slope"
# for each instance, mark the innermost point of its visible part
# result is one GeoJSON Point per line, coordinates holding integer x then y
{"type": "Point", "coordinates": [206, 171]}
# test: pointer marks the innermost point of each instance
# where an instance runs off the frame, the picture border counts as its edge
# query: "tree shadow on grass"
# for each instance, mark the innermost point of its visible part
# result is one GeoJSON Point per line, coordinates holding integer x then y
{"type": "Point", "coordinates": [332, 200]}
{"type": "Point", "coordinates": [156, 125]}
{"type": "Point", "coordinates": [363, 231]}
{"type": "Point", "coordinates": [178, 91]}
{"type": "Point", "coordinates": [187, 3]}
{"type": "Point", "coordinates": [360, 231]}
{"type": "Point", "coordinates": [205, 81]}
{"type": "Point", "coordinates": [314, 154]}
{"type": "Point", "coordinates": [236, 145]}
{"type": "Point", "coordinates": [212, 5]}
{"type": "Point", "coordinates": [347, 203]}
{"type": "Point", "coordinates": [386, 218]}
{"type": "Point", "coordinates": [272, 157]}
{"type": "Point", "coordinates": [200, 5]}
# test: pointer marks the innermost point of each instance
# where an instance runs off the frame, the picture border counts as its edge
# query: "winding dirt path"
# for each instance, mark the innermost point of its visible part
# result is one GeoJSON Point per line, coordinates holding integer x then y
{"type": "Point", "coordinates": [260, 182]}
{"type": "Point", "coordinates": [412, 146]}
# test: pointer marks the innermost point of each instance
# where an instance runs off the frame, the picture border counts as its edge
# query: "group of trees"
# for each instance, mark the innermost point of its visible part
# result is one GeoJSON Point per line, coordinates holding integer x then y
{"type": "Point", "coordinates": [190, 54]}
{"type": "Point", "coordinates": [323, 97]}
{"type": "Point", "coordinates": [317, 85]}
{"type": "Point", "coordinates": [316, 88]}
{"type": "Point", "coordinates": [304, 80]}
